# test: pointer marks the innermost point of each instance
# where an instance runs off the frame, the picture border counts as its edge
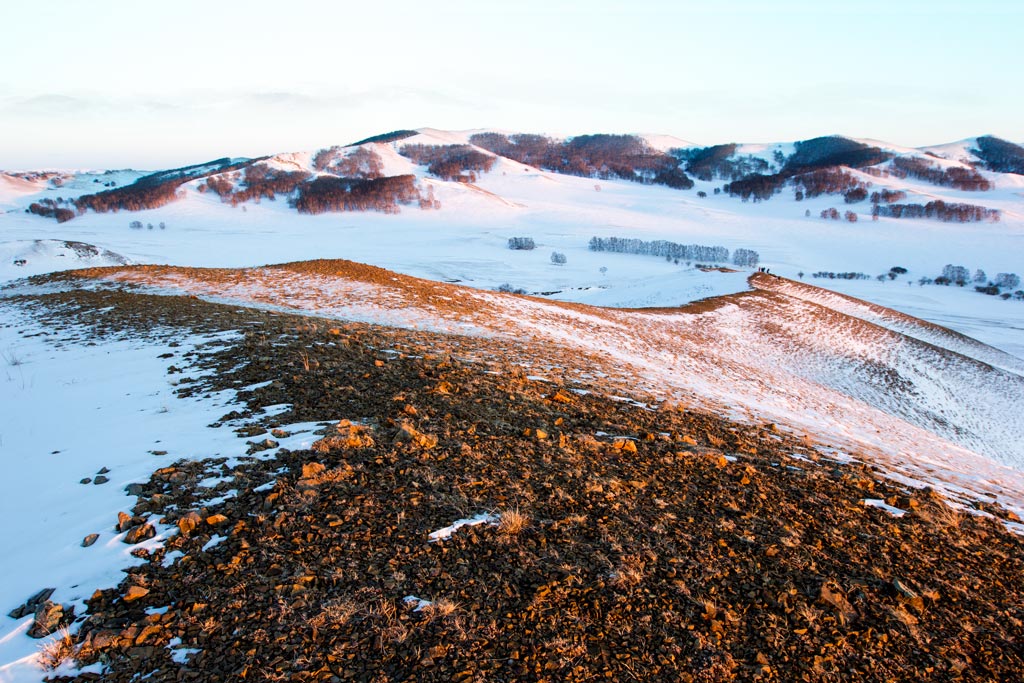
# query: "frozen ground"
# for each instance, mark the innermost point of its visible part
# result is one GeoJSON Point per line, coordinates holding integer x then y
{"type": "Point", "coordinates": [73, 406]}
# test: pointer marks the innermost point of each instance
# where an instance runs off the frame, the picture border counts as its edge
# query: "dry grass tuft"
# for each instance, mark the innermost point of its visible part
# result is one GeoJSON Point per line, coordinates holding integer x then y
{"type": "Point", "coordinates": [440, 608]}
{"type": "Point", "coordinates": [513, 522]}
{"type": "Point", "coordinates": [55, 652]}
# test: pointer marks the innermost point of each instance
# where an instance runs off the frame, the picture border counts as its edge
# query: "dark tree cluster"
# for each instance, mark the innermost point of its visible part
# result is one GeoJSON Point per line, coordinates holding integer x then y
{"type": "Point", "coordinates": [134, 197]}
{"type": "Point", "coordinates": [330, 193]}
{"type": "Point", "coordinates": [154, 190]}
{"type": "Point", "coordinates": [757, 187]}
{"type": "Point", "coordinates": [999, 155]}
{"type": "Point", "coordinates": [393, 136]}
{"type": "Point", "coordinates": [966, 179]}
{"type": "Point", "coordinates": [708, 163]}
{"type": "Point", "coordinates": [220, 185]}
{"type": "Point", "coordinates": [939, 210]}
{"type": "Point", "coordinates": [830, 181]}
{"type": "Point", "coordinates": [360, 162]}
{"type": "Point", "coordinates": [521, 243]}
{"type": "Point", "coordinates": [670, 250]}
{"type": "Point", "coordinates": [262, 181]}
{"type": "Point", "coordinates": [885, 196]}
{"type": "Point", "coordinates": [52, 208]}
{"type": "Point", "coordinates": [450, 162]}
{"type": "Point", "coordinates": [592, 156]}
{"type": "Point", "coordinates": [857, 194]}
{"type": "Point", "coordinates": [746, 258]}
{"type": "Point", "coordinates": [833, 150]}
{"type": "Point", "coordinates": [829, 275]}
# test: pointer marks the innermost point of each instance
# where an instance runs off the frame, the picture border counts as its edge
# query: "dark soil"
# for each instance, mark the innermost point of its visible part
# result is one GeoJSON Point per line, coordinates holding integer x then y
{"type": "Point", "coordinates": [634, 543]}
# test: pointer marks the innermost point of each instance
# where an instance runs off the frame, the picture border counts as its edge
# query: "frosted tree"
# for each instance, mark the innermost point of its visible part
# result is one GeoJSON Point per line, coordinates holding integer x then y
{"type": "Point", "coordinates": [558, 258]}
{"type": "Point", "coordinates": [980, 277]}
{"type": "Point", "coordinates": [1007, 280]}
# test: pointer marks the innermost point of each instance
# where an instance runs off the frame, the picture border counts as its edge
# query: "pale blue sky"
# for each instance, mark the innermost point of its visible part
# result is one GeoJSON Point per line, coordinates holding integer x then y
{"type": "Point", "coordinates": [112, 83]}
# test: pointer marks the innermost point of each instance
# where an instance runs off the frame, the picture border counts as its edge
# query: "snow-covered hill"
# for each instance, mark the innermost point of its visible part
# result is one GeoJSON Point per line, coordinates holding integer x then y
{"type": "Point", "coordinates": [465, 239]}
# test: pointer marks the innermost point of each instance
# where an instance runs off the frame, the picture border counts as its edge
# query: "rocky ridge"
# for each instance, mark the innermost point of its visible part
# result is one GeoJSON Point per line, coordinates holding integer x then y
{"type": "Point", "coordinates": [617, 539]}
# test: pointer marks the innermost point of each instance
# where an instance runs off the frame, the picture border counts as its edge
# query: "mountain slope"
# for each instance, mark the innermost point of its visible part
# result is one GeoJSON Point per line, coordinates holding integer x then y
{"type": "Point", "coordinates": [764, 356]}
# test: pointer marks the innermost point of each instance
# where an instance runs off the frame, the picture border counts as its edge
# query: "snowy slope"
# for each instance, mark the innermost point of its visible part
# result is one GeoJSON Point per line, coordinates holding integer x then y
{"type": "Point", "coordinates": [764, 356]}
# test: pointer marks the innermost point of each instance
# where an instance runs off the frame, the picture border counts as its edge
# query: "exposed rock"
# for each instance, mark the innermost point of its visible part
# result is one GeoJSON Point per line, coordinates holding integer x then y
{"type": "Point", "coordinates": [100, 480]}
{"type": "Point", "coordinates": [32, 604]}
{"type": "Point", "coordinates": [139, 534]}
{"type": "Point", "coordinates": [50, 617]}
{"type": "Point", "coordinates": [346, 435]}
{"type": "Point", "coordinates": [134, 593]}
{"type": "Point", "coordinates": [188, 522]}
{"type": "Point", "coordinates": [89, 540]}
{"type": "Point", "coordinates": [832, 595]}
{"type": "Point", "coordinates": [409, 434]}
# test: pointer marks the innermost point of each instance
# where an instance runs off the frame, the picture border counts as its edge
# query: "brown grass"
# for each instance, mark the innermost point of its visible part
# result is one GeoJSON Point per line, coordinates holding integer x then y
{"type": "Point", "coordinates": [513, 522]}
{"type": "Point", "coordinates": [55, 652]}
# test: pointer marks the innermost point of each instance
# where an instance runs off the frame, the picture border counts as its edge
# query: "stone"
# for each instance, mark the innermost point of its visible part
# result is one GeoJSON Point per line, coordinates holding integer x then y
{"type": "Point", "coordinates": [100, 480]}
{"type": "Point", "coordinates": [139, 534]}
{"type": "Point", "coordinates": [409, 434]}
{"type": "Point", "coordinates": [124, 521]}
{"type": "Point", "coordinates": [87, 480]}
{"type": "Point", "coordinates": [32, 604]}
{"type": "Point", "coordinates": [216, 520]}
{"type": "Point", "coordinates": [188, 522]}
{"type": "Point", "coordinates": [135, 593]}
{"type": "Point", "coordinates": [89, 540]}
{"type": "Point", "coordinates": [50, 617]}
{"type": "Point", "coordinates": [832, 596]}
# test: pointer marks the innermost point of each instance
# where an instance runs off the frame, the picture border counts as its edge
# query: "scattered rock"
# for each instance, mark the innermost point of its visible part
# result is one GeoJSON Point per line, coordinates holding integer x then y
{"type": "Point", "coordinates": [188, 522]}
{"type": "Point", "coordinates": [832, 595]}
{"type": "Point", "coordinates": [103, 470]}
{"type": "Point", "coordinates": [89, 540]}
{"type": "Point", "coordinates": [100, 480]}
{"type": "Point", "coordinates": [32, 604]}
{"type": "Point", "coordinates": [87, 480]}
{"type": "Point", "coordinates": [139, 534]}
{"type": "Point", "coordinates": [409, 434]}
{"type": "Point", "coordinates": [216, 520]}
{"type": "Point", "coordinates": [135, 593]}
{"type": "Point", "coordinates": [50, 617]}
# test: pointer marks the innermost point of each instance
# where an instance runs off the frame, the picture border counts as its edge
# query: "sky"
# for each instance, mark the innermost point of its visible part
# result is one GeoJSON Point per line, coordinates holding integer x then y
{"type": "Point", "coordinates": [122, 83]}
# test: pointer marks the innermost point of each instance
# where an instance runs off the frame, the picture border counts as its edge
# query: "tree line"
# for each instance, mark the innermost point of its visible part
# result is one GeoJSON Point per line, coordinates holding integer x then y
{"type": "Point", "coordinates": [603, 156]}
{"type": "Point", "coordinates": [939, 210]}
{"type": "Point", "coordinates": [673, 250]}
{"type": "Point", "coordinates": [967, 179]}
{"type": "Point", "coordinates": [450, 162]}
{"type": "Point", "coordinates": [331, 193]}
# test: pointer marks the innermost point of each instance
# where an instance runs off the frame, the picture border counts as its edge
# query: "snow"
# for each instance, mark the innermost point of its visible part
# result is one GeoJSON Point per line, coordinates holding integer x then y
{"type": "Point", "coordinates": [74, 404]}
{"type": "Point", "coordinates": [446, 532]}
{"type": "Point", "coordinates": [882, 505]}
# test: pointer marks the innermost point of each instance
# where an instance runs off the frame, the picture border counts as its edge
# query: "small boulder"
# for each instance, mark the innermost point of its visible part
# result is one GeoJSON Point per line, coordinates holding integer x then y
{"type": "Point", "coordinates": [188, 522]}
{"type": "Point", "coordinates": [32, 604]}
{"type": "Point", "coordinates": [216, 520]}
{"type": "Point", "coordinates": [100, 480]}
{"type": "Point", "coordinates": [134, 593]}
{"type": "Point", "coordinates": [89, 540]}
{"type": "Point", "coordinates": [50, 617]}
{"type": "Point", "coordinates": [139, 534]}
{"type": "Point", "coordinates": [409, 434]}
